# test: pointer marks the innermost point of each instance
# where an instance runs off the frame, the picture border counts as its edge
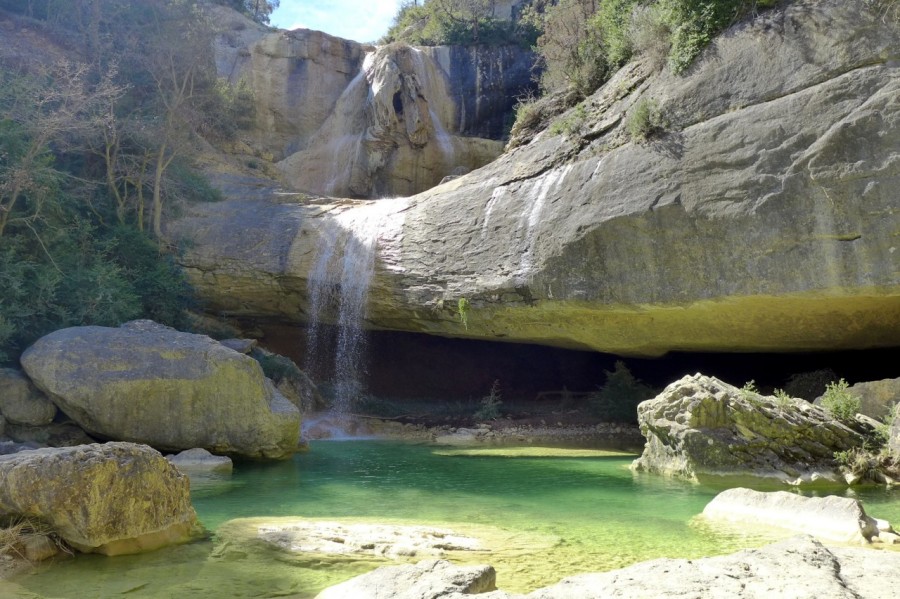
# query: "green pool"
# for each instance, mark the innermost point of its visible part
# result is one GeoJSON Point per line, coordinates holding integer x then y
{"type": "Point", "coordinates": [545, 514]}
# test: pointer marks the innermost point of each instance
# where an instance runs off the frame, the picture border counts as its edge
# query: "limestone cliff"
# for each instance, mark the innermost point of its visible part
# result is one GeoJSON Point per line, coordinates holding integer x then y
{"type": "Point", "coordinates": [765, 218]}
{"type": "Point", "coordinates": [348, 119]}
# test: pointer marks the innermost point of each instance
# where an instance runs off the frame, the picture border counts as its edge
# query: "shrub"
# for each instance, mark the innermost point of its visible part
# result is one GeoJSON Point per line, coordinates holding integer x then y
{"type": "Point", "coordinates": [645, 120]}
{"type": "Point", "coordinates": [782, 399]}
{"type": "Point", "coordinates": [809, 385]}
{"type": "Point", "coordinates": [839, 402]}
{"type": "Point", "coordinates": [490, 404]}
{"type": "Point", "coordinates": [617, 400]}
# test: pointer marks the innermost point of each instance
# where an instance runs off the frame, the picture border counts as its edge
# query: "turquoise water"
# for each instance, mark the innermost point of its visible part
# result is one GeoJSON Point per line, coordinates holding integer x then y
{"type": "Point", "coordinates": [543, 517]}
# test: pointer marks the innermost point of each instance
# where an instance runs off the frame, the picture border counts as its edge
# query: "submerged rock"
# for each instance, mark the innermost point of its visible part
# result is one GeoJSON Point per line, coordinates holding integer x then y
{"type": "Point", "coordinates": [147, 383]}
{"type": "Point", "coordinates": [830, 518]}
{"type": "Point", "coordinates": [700, 426]}
{"type": "Point", "coordinates": [389, 541]}
{"type": "Point", "coordinates": [115, 499]}
{"type": "Point", "coordinates": [433, 579]}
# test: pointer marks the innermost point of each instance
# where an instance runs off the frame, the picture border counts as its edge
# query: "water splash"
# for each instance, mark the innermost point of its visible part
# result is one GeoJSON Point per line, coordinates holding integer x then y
{"type": "Point", "coordinates": [339, 287]}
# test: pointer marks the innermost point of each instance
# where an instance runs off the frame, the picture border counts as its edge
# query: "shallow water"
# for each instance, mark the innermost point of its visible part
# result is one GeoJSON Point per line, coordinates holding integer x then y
{"type": "Point", "coordinates": [543, 514]}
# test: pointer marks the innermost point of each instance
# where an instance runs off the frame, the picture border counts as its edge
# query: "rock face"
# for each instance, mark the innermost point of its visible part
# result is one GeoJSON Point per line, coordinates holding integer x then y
{"type": "Point", "coordinates": [115, 498]}
{"type": "Point", "coordinates": [829, 518]}
{"type": "Point", "coordinates": [147, 383]}
{"type": "Point", "coordinates": [699, 426]}
{"type": "Point", "coordinates": [800, 568]}
{"type": "Point", "coordinates": [347, 119]}
{"type": "Point", "coordinates": [761, 220]}
{"type": "Point", "coordinates": [21, 402]}
{"type": "Point", "coordinates": [432, 579]}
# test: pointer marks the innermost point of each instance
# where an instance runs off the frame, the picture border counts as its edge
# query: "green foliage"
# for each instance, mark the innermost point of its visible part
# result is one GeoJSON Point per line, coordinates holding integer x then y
{"type": "Point", "coordinates": [276, 367]}
{"type": "Point", "coordinates": [613, 22]}
{"type": "Point", "coordinates": [645, 120]}
{"type": "Point", "coordinates": [572, 123]}
{"type": "Point", "coordinates": [809, 385]}
{"type": "Point", "coordinates": [839, 402]}
{"type": "Point", "coordinates": [462, 309]}
{"type": "Point", "coordinates": [617, 400]}
{"type": "Point", "coordinates": [490, 404]}
{"type": "Point", "coordinates": [456, 22]}
{"type": "Point", "coordinates": [783, 400]}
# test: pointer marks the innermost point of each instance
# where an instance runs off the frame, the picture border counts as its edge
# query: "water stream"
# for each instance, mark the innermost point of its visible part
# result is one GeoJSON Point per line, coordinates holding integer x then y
{"type": "Point", "coordinates": [339, 288]}
{"type": "Point", "coordinates": [544, 515]}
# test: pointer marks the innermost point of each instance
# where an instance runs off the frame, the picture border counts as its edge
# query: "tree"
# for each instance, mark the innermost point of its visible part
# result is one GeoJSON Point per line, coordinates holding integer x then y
{"type": "Point", "coordinates": [469, 13]}
{"type": "Point", "coordinates": [57, 106]}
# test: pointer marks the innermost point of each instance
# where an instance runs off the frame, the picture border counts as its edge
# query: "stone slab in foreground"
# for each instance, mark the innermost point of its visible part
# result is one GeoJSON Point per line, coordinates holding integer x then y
{"type": "Point", "coordinates": [113, 498]}
{"type": "Point", "coordinates": [830, 518]}
{"type": "Point", "coordinates": [799, 568]}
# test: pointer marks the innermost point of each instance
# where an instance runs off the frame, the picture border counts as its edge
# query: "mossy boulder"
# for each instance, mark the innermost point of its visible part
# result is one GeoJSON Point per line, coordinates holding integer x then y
{"type": "Point", "coordinates": [146, 383]}
{"type": "Point", "coordinates": [115, 499]}
{"type": "Point", "coordinates": [700, 426]}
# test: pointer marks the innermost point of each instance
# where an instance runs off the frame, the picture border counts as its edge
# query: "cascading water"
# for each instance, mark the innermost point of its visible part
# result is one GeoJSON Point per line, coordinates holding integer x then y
{"type": "Point", "coordinates": [339, 289]}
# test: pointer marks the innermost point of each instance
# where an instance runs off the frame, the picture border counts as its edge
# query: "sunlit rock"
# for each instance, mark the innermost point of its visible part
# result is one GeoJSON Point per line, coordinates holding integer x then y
{"type": "Point", "coordinates": [700, 426]}
{"type": "Point", "coordinates": [115, 498]}
{"type": "Point", "coordinates": [829, 518]}
{"type": "Point", "coordinates": [763, 220]}
{"type": "Point", "coordinates": [147, 383]}
{"type": "Point", "coordinates": [433, 579]}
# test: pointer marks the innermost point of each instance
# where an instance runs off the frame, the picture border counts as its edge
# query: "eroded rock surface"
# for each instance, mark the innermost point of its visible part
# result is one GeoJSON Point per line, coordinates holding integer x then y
{"type": "Point", "coordinates": [115, 498]}
{"type": "Point", "coordinates": [147, 383]}
{"type": "Point", "coordinates": [434, 579]}
{"type": "Point", "coordinates": [763, 219]}
{"type": "Point", "coordinates": [700, 426]}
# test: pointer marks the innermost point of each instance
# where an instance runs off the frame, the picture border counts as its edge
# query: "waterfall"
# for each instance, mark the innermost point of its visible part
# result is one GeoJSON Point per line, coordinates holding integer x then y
{"type": "Point", "coordinates": [338, 288]}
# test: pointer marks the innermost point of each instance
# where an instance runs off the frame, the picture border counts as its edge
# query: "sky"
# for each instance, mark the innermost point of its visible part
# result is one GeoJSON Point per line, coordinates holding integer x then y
{"type": "Point", "coordinates": [358, 20]}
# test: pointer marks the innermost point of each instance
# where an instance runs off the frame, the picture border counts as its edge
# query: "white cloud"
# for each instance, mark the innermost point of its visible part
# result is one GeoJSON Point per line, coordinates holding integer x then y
{"type": "Point", "coordinates": [351, 19]}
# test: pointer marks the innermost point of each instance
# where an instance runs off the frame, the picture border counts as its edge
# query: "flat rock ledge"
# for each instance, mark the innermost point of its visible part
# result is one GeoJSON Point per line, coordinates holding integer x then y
{"type": "Point", "coordinates": [198, 460]}
{"type": "Point", "coordinates": [831, 518]}
{"type": "Point", "coordinates": [353, 539]}
{"type": "Point", "coordinates": [798, 568]}
{"type": "Point", "coordinates": [702, 427]}
{"type": "Point", "coordinates": [113, 498]}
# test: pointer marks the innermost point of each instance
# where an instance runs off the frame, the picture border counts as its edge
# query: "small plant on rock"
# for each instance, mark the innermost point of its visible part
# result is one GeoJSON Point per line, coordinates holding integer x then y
{"type": "Point", "coordinates": [490, 404]}
{"type": "Point", "coordinates": [645, 121]}
{"type": "Point", "coordinates": [839, 402]}
{"type": "Point", "coordinates": [462, 308]}
{"type": "Point", "coordinates": [783, 400]}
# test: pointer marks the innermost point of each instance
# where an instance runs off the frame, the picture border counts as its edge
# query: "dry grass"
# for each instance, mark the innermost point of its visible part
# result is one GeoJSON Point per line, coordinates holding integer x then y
{"type": "Point", "coordinates": [15, 532]}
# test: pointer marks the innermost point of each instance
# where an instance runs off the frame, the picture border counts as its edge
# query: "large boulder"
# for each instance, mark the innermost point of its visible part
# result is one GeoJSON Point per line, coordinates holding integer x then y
{"type": "Point", "coordinates": [829, 518]}
{"type": "Point", "coordinates": [700, 426]}
{"type": "Point", "coordinates": [21, 402]}
{"type": "Point", "coordinates": [114, 499]}
{"type": "Point", "coordinates": [761, 220]}
{"type": "Point", "coordinates": [147, 383]}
